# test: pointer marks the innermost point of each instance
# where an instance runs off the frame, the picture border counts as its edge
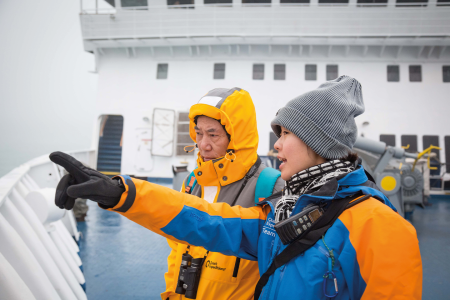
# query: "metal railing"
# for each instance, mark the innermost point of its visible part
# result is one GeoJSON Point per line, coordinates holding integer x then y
{"type": "Point", "coordinates": [257, 21]}
{"type": "Point", "coordinates": [39, 235]}
{"type": "Point", "coordinates": [390, 4]}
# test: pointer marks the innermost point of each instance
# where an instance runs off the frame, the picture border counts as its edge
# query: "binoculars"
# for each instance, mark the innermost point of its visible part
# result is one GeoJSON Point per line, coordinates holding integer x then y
{"type": "Point", "coordinates": [189, 276]}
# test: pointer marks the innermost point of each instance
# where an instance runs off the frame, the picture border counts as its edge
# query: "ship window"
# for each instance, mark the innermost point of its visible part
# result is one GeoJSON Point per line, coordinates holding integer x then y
{"type": "Point", "coordinates": [446, 73]}
{"type": "Point", "coordinates": [163, 70]}
{"type": "Point", "coordinates": [310, 72]}
{"type": "Point", "coordinates": [134, 3]}
{"type": "Point", "coordinates": [279, 72]}
{"type": "Point", "coordinates": [389, 139]}
{"type": "Point", "coordinates": [427, 141]}
{"type": "Point", "coordinates": [415, 73]}
{"type": "Point", "coordinates": [393, 73]}
{"type": "Point", "coordinates": [443, 3]}
{"type": "Point", "coordinates": [258, 71]}
{"type": "Point", "coordinates": [333, 2]}
{"type": "Point", "coordinates": [180, 3]}
{"type": "Point", "coordinates": [219, 71]}
{"type": "Point", "coordinates": [332, 72]}
{"type": "Point", "coordinates": [411, 141]}
{"type": "Point", "coordinates": [183, 137]}
{"type": "Point", "coordinates": [447, 153]}
{"type": "Point", "coordinates": [256, 1]}
{"type": "Point", "coordinates": [218, 1]}
{"type": "Point", "coordinates": [374, 3]}
{"type": "Point", "coordinates": [409, 3]}
{"type": "Point", "coordinates": [293, 1]}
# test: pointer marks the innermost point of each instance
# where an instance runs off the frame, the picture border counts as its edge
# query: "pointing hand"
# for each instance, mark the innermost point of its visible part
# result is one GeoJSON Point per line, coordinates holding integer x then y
{"type": "Point", "coordinates": [84, 182]}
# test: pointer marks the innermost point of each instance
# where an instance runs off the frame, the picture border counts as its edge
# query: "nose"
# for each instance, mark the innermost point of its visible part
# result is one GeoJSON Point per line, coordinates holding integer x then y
{"type": "Point", "coordinates": [204, 144]}
{"type": "Point", "coordinates": [278, 145]}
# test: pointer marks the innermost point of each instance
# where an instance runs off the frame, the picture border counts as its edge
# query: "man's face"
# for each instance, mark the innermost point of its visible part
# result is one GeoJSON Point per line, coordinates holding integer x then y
{"type": "Point", "coordinates": [211, 139]}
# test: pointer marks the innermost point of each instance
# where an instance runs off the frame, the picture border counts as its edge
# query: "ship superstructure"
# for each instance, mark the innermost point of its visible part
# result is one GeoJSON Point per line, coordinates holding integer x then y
{"type": "Point", "coordinates": [157, 58]}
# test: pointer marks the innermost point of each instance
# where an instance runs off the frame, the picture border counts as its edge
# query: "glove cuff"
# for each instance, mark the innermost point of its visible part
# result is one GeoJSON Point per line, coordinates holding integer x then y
{"type": "Point", "coordinates": [127, 198]}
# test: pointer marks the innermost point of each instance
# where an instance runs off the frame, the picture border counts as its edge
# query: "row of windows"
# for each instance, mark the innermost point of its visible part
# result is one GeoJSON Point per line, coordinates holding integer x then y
{"type": "Point", "coordinates": [279, 71]}
{"type": "Point", "coordinates": [409, 142]}
{"type": "Point", "coordinates": [141, 3]}
{"type": "Point", "coordinates": [377, 2]}
{"type": "Point", "coordinates": [332, 72]}
{"type": "Point", "coordinates": [415, 73]}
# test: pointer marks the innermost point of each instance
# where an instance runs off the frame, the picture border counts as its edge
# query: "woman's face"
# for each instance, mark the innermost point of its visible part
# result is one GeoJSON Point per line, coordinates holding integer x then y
{"type": "Point", "coordinates": [294, 154]}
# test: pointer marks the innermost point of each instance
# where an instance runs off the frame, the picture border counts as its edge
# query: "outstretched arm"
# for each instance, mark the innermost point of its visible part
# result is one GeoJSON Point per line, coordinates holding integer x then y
{"type": "Point", "coordinates": [188, 219]}
{"type": "Point", "coordinates": [184, 218]}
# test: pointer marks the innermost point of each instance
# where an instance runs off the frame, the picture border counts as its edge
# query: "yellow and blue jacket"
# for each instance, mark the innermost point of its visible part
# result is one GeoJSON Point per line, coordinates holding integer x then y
{"type": "Point", "coordinates": [376, 252]}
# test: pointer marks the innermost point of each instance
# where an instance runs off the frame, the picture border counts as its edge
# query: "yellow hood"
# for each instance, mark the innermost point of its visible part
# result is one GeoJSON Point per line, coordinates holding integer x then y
{"type": "Point", "coordinates": [234, 108]}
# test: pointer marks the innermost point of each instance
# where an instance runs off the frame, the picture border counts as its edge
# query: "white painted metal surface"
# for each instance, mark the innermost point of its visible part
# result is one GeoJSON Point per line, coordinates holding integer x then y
{"type": "Point", "coordinates": [163, 132]}
{"type": "Point", "coordinates": [73, 265]}
{"type": "Point", "coordinates": [11, 285]}
{"type": "Point", "coordinates": [42, 201]}
{"type": "Point", "coordinates": [40, 231]}
{"type": "Point", "coordinates": [23, 228]}
{"type": "Point", "coordinates": [23, 261]}
{"type": "Point", "coordinates": [39, 268]}
{"type": "Point", "coordinates": [65, 239]}
{"type": "Point", "coordinates": [277, 21]}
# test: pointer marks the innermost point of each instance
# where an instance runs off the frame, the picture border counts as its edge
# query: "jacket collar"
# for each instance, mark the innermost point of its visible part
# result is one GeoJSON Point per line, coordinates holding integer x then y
{"type": "Point", "coordinates": [337, 188]}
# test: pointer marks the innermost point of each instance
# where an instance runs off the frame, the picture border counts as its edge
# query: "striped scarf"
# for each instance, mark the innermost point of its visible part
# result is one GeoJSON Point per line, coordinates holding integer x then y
{"type": "Point", "coordinates": [307, 181]}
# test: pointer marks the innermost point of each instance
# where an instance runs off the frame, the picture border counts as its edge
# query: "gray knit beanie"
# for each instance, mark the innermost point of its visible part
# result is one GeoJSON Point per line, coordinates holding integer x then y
{"type": "Point", "coordinates": [324, 118]}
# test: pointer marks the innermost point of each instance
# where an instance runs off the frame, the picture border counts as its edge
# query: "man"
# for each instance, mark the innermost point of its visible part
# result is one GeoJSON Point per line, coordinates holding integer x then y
{"type": "Point", "coordinates": [223, 124]}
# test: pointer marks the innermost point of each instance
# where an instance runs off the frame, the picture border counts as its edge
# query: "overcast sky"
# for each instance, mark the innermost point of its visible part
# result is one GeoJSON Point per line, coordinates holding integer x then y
{"type": "Point", "coordinates": [47, 91]}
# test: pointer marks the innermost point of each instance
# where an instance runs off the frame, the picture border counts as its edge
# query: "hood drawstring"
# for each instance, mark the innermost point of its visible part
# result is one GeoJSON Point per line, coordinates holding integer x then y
{"type": "Point", "coordinates": [189, 146]}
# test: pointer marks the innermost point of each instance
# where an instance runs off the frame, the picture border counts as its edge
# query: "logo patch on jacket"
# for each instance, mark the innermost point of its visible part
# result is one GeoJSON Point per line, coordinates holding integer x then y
{"type": "Point", "coordinates": [192, 215]}
{"type": "Point", "coordinates": [213, 265]}
{"type": "Point", "coordinates": [268, 227]}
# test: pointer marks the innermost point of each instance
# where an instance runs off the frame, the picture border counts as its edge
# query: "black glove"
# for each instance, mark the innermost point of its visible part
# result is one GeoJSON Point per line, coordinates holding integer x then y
{"type": "Point", "coordinates": [84, 182]}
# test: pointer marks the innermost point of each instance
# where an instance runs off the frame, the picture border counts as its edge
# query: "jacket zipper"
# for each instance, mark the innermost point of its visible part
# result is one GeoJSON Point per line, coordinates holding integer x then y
{"type": "Point", "coordinates": [236, 267]}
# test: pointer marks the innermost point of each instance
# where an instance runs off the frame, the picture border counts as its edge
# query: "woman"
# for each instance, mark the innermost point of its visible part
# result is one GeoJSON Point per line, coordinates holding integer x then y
{"type": "Point", "coordinates": [368, 251]}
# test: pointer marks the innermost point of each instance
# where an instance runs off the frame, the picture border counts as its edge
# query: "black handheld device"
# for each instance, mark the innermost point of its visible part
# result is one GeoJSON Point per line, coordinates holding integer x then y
{"type": "Point", "coordinates": [294, 226]}
{"type": "Point", "coordinates": [185, 264]}
{"type": "Point", "coordinates": [189, 276]}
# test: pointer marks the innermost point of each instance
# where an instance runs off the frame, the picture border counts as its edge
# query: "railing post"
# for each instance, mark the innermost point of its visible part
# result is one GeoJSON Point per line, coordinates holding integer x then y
{"type": "Point", "coordinates": [314, 3]}
{"type": "Point", "coordinates": [275, 3]}
{"type": "Point", "coordinates": [237, 3]}
{"type": "Point", "coordinates": [391, 3]}
{"type": "Point", "coordinates": [118, 4]}
{"type": "Point", "coordinates": [352, 3]}
{"type": "Point", "coordinates": [198, 3]}
{"type": "Point", "coordinates": [432, 3]}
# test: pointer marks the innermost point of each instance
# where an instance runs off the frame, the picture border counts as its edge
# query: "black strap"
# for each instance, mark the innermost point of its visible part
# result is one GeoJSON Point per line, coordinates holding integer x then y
{"type": "Point", "coordinates": [236, 267]}
{"type": "Point", "coordinates": [249, 175]}
{"type": "Point", "coordinates": [316, 231]}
